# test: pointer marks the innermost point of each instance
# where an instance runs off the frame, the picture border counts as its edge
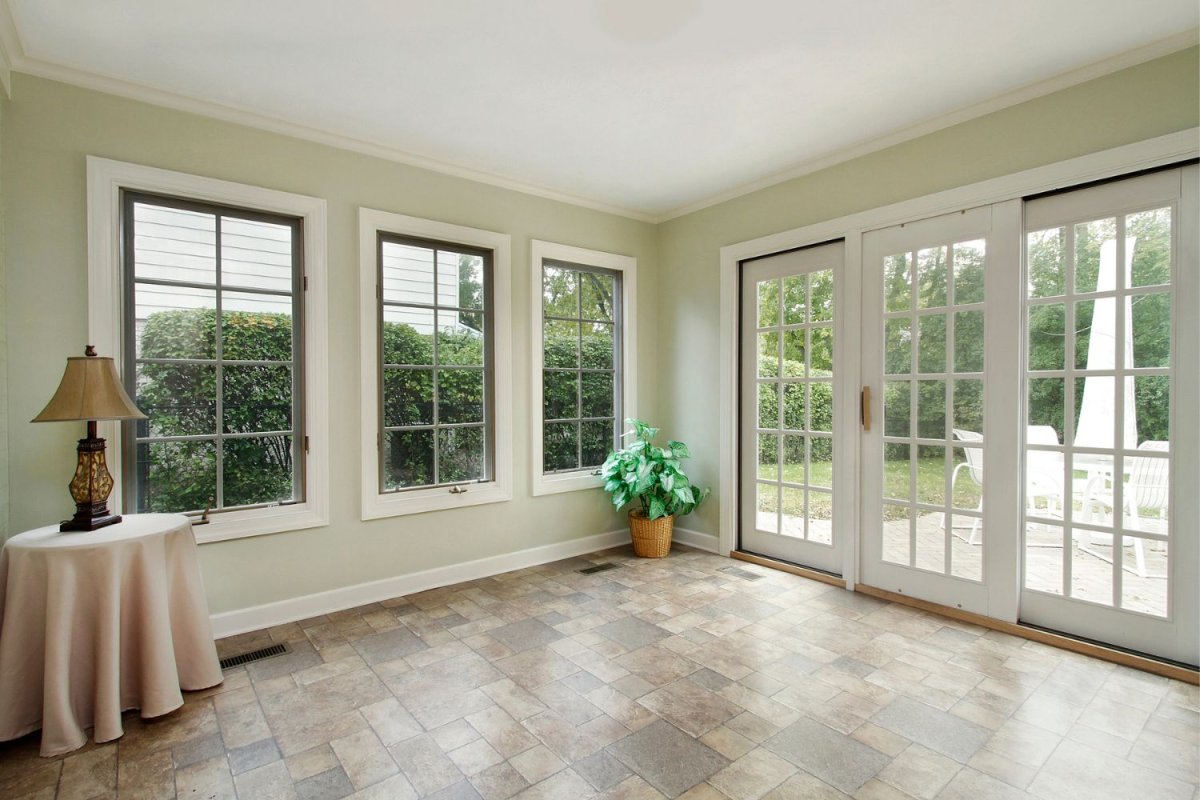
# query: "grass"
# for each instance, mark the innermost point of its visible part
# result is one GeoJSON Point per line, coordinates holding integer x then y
{"type": "Point", "coordinates": [930, 486]}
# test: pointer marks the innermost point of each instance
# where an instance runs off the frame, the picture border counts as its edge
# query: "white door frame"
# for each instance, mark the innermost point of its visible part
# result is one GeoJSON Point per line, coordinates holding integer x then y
{"type": "Point", "coordinates": [1150, 153]}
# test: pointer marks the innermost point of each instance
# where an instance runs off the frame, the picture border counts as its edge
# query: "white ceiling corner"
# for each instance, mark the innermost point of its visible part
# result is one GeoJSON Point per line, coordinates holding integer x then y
{"type": "Point", "coordinates": [643, 109]}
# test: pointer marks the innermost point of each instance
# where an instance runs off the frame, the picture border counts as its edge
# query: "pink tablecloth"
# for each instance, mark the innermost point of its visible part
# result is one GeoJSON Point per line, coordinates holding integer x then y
{"type": "Point", "coordinates": [94, 623]}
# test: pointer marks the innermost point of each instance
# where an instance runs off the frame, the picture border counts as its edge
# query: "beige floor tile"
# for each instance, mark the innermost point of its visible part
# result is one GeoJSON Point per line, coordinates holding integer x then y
{"type": "Point", "coordinates": [920, 772]}
{"type": "Point", "coordinates": [537, 763]}
{"type": "Point", "coordinates": [89, 774]}
{"type": "Point", "coordinates": [149, 778]}
{"type": "Point", "coordinates": [365, 760]}
{"type": "Point", "coordinates": [753, 775]}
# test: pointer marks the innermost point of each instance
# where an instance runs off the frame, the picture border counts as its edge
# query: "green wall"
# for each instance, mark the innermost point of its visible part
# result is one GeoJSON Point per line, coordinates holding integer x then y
{"type": "Point", "coordinates": [49, 130]}
{"type": "Point", "coordinates": [1138, 103]}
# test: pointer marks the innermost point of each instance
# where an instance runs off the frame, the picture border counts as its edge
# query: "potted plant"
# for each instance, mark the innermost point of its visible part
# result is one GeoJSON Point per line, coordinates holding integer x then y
{"type": "Point", "coordinates": [651, 475]}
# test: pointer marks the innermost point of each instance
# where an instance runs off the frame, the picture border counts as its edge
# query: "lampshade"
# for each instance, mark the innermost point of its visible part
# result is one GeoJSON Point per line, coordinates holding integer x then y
{"type": "Point", "coordinates": [90, 389]}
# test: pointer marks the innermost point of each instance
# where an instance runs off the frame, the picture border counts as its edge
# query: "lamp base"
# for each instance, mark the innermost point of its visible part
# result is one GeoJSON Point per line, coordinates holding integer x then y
{"type": "Point", "coordinates": [91, 486]}
{"type": "Point", "coordinates": [87, 522]}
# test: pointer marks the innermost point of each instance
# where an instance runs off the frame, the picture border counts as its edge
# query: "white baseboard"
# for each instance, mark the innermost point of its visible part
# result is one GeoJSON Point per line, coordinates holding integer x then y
{"type": "Point", "coordinates": [243, 620]}
{"type": "Point", "coordinates": [700, 541]}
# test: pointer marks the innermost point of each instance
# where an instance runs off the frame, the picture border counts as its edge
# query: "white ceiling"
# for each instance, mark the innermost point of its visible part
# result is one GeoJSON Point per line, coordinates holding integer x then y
{"type": "Point", "coordinates": [645, 105]}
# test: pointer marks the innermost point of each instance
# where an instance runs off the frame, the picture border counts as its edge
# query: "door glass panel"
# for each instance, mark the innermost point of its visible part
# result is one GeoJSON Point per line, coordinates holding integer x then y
{"type": "Point", "coordinates": [931, 277]}
{"type": "Point", "coordinates": [966, 559]}
{"type": "Point", "coordinates": [820, 406]}
{"type": "Point", "coordinates": [897, 342]}
{"type": "Point", "coordinates": [931, 475]}
{"type": "Point", "coordinates": [768, 507]}
{"type": "Point", "coordinates": [1151, 317]}
{"type": "Point", "coordinates": [794, 469]}
{"type": "Point", "coordinates": [820, 516]}
{"type": "Point", "coordinates": [1144, 589]}
{"type": "Point", "coordinates": [768, 405]}
{"type": "Point", "coordinates": [768, 354]}
{"type": "Point", "coordinates": [968, 272]}
{"type": "Point", "coordinates": [768, 456]}
{"type": "Point", "coordinates": [820, 462]}
{"type": "Point", "coordinates": [1099, 528]}
{"type": "Point", "coordinates": [1151, 234]}
{"type": "Point", "coordinates": [1091, 238]}
{"type": "Point", "coordinates": [793, 512]}
{"type": "Point", "coordinates": [931, 409]}
{"type": "Point", "coordinates": [897, 407]}
{"type": "Point", "coordinates": [821, 344]}
{"type": "Point", "coordinates": [932, 492]}
{"type": "Point", "coordinates": [795, 367]}
{"type": "Point", "coordinates": [1047, 336]}
{"type": "Point", "coordinates": [897, 534]}
{"type": "Point", "coordinates": [1047, 274]}
{"type": "Point", "coordinates": [931, 344]}
{"type": "Point", "coordinates": [820, 296]}
{"type": "Point", "coordinates": [768, 303]}
{"type": "Point", "coordinates": [897, 282]}
{"type": "Point", "coordinates": [897, 472]}
{"type": "Point", "coordinates": [793, 406]}
{"type": "Point", "coordinates": [1044, 557]}
{"type": "Point", "coordinates": [968, 341]}
{"type": "Point", "coordinates": [795, 300]}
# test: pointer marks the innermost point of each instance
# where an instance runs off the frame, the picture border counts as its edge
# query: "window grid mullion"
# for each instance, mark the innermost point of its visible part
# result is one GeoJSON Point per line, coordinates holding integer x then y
{"type": "Point", "coordinates": [214, 286]}
{"type": "Point", "coordinates": [218, 339]}
{"type": "Point", "coordinates": [579, 372]}
{"type": "Point", "coordinates": [437, 373]}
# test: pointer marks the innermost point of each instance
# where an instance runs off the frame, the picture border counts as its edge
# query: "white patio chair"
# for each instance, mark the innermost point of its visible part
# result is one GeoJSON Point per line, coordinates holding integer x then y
{"type": "Point", "coordinates": [1148, 487]}
{"type": "Point", "coordinates": [974, 467]}
{"type": "Point", "coordinates": [1043, 473]}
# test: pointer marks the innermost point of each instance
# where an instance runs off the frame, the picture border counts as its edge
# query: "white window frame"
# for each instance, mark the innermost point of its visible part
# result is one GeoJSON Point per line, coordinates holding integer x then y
{"type": "Point", "coordinates": [105, 181]}
{"type": "Point", "coordinates": [540, 252]}
{"type": "Point", "coordinates": [375, 503]}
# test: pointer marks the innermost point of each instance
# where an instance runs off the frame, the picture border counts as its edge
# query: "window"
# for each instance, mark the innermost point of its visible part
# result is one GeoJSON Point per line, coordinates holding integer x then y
{"type": "Point", "coordinates": [211, 297]}
{"type": "Point", "coordinates": [213, 335]}
{"type": "Point", "coordinates": [435, 389]}
{"type": "Point", "coordinates": [582, 356]}
{"type": "Point", "coordinates": [435, 336]}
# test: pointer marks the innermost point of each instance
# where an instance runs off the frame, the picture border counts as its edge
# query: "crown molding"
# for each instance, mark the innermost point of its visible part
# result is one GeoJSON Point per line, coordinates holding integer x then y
{"type": "Point", "coordinates": [1031, 91]}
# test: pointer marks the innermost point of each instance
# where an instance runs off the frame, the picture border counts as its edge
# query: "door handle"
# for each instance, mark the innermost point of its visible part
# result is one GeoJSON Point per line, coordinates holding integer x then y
{"type": "Point", "coordinates": [865, 408]}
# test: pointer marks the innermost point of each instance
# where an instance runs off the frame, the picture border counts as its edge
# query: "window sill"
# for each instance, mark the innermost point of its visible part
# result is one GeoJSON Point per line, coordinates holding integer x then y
{"type": "Point", "coordinates": [396, 504]}
{"type": "Point", "coordinates": [566, 482]}
{"type": "Point", "coordinates": [259, 522]}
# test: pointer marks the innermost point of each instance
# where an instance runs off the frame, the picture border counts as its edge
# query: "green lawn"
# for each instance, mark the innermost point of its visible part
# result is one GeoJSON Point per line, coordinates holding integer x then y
{"type": "Point", "coordinates": [930, 488]}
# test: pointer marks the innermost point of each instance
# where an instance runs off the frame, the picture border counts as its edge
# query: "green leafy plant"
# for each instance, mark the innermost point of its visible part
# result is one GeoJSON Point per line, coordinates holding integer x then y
{"type": "Point", "coordinates": [650, 474]}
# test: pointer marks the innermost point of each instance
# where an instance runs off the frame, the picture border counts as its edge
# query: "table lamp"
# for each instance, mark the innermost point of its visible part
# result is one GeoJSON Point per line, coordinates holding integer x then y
{"type": "Point", "coordinates": [90, 390]}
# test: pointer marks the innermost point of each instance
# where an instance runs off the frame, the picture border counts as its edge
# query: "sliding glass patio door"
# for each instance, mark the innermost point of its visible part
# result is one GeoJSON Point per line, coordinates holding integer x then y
{"type": "Point", "coordinates": [930, 443]}
{"type": "Point", "coordinates": [1112, 500]}
{"type": "Point", "coordinates": [790, 391]}
{"type": "Point", "coordinates": [1028, 434]}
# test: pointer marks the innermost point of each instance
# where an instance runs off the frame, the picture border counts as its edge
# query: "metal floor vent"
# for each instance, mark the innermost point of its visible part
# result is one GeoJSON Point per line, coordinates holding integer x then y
{"type": "Point", "coordinates": [598, 568]}
{"type": "Point", "coordinates": [256, 655]}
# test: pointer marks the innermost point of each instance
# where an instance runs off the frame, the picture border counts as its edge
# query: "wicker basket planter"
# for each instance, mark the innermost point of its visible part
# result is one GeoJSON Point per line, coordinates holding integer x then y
{"type": "Point", "coordinates": [651, 537]}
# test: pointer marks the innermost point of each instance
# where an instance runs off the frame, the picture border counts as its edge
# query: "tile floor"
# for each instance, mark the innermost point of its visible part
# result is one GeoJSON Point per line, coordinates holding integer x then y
{"type": "Point", "coordinates": [693, 676]}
